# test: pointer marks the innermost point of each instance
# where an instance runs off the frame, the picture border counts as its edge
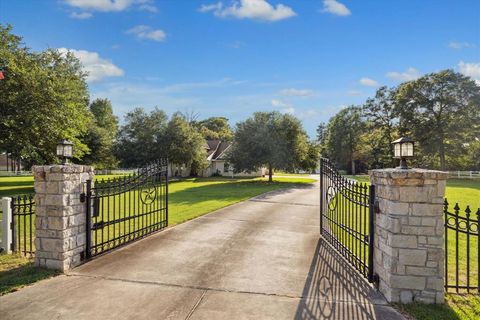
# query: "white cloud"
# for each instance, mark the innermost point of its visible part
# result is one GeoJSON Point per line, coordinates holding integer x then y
{"type": "Point", "coordinates": [111, 5]}
{"type": "Point", "coordinates": [293, 92]}
{"type": "Point", "coordinates": [81, 15]}
{"type": "Point", "coordinates": [461, 45]}
{"type": "Point", "coordinates": [471, 70]}
{"type": "Point", "coordinates": [410, 74]}
{"type": "Point", "coordinates": [280, 103]}
{"type": "Point", "coordinates": [336, 8]}
{"type": "Point", "coordinates": [289, 110]}
{"type": "Point", "coordinates": [146, 32]}
{"type": "Point", "coordinates": [368, 82]}
{"type": "Point", "coordinates": [97, 67]}
{"type": "Point", "coordinates": [250, 9]}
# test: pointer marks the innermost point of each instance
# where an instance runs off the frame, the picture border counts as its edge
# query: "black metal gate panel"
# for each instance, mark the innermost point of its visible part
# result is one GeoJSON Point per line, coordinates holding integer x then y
{"type": "Point", "coordinates": [126, 208]}
{"type": "Point", "coordinates": [347, 217]}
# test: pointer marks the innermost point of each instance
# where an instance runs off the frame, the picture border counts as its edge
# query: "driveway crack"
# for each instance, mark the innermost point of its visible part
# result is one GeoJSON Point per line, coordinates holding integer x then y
{"type": "Point", "coordinates": [196, 304]}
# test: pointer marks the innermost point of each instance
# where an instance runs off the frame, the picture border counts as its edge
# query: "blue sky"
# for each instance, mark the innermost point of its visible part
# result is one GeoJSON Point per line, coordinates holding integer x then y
{"type": "Point", "coordinates": [231, 58]}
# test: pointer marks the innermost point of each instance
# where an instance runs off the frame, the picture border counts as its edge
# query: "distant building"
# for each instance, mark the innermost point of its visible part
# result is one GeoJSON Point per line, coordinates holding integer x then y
{"type": "Point", "coordinates": [218, 164]}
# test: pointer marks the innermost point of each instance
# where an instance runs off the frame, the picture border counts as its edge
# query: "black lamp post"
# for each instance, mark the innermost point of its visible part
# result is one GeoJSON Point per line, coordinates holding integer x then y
{"type": "Point", "coordinates": [403, 150]}
{"type": "Point", "coordinates": [65, 150]}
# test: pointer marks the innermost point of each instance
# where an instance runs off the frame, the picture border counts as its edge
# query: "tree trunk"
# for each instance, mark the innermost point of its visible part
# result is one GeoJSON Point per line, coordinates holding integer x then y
{"type": "Point", "coordinates": [270, 173]}
{"type": "Point", "coordinates": [353, 167]}
{"type": "Point", "coordinates": [441, 152]}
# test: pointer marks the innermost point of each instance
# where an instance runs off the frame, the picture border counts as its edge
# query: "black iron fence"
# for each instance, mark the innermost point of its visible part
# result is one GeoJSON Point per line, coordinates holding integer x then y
{"type": "Point", "coordinates": [347, 217]}
{"type": "Point", "coordinates": [23, 225]}
{"type": "Point", "coordinates": [462, 248]}
{"type": "Point", "coordinates": [123, 209]}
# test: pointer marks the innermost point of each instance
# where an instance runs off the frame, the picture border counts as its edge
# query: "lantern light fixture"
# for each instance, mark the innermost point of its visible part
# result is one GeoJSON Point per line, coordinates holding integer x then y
{"type": "Point", "coordinates": [65, 150]}
{"type": "Point", "coordinates": [403, 149]}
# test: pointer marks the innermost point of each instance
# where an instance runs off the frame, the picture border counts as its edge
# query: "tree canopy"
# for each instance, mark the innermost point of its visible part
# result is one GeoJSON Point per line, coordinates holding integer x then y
{"type": "Point", "coordinates": [441, 111]}
{"type": "Point", "coordinates": [270, 139]}
{"type": "Point", "coordinates": [101, 135]}
{"type": "Point", "coordinates": [215, 128]}
{"type": "Point", "coordinates": [142, 137]}
{"type": "Point", "coordinates": [44, 99]}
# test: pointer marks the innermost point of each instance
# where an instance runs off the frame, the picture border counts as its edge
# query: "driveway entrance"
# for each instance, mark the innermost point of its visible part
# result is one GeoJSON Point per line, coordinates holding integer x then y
{"type": "Point", "coordinates": [259, 259]}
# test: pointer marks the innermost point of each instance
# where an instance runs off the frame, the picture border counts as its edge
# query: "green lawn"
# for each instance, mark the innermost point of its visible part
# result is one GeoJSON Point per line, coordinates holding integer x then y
{"type": "Point", "coordinates": [188, 198]}
{"type": "Point", "coordinates": [457, 307]}
{"type": "Point", "coordinates": [17, 271]}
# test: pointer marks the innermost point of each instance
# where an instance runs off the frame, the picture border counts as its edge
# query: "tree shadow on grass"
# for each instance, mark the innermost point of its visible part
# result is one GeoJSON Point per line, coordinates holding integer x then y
{"type": "Point", "coordinates": [20, 272]}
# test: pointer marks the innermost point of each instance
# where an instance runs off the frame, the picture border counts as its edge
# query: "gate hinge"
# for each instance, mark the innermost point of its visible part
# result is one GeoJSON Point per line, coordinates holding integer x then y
{"type": "Point", "coordinates": [376, 206]}
{"type": "Point", "coordinates": [11, 225]}
{"type": "Point", "coordinates": [82, 197]}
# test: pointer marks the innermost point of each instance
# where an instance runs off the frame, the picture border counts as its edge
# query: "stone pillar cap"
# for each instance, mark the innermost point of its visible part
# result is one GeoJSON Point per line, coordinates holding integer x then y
{"type": "Point", "coordinates": [63, 168]}
{"type": "Point", "coordinates": [415, 173]}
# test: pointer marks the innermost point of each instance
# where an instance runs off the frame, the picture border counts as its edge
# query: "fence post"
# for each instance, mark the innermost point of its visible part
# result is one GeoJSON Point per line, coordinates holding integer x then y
{"type": "Point", "coordinates": [60, 230]}
{"type": "Point", "coordinates": [7, 225]}
{"type": "Point", "coordinates": [409, 253]}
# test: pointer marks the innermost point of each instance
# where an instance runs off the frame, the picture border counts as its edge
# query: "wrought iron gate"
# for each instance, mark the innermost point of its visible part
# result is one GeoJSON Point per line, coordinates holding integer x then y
{"type": "Point", "coordinates": [347, 217]}
{"type": "Point", "coordinates": [126, 208]}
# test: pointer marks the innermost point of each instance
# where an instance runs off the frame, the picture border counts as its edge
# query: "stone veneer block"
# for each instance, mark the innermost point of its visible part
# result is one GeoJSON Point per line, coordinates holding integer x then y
{"type": "Point", "coordinates": [409, 254]}
{"type": "Point", "coordinates": [60, 216]}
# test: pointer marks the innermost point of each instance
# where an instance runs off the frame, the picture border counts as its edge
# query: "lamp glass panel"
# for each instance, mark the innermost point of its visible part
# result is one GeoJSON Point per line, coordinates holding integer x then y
{"type": "Point", "coordinates": [68, 151]}
{"type": "Point", "coordinates": [407, 150]}
{"type": "Point", "coordinates": [60, 150]}
{"type": "Point", "coordinates": [397, 150]}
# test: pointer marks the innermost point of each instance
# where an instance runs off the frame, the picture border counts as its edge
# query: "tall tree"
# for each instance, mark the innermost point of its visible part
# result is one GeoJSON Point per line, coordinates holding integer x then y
{"type": "Point", "coordinates": [44, 99]}
{"type": "Point", "coordinates": [101, 135]}
{"type": "Point", "coordinates": [142, 137]}
{"type": "Point", "coordinates": [381, 122]}
{"type": "Point", "coordinates": [343, 136]}
{"type": "Point", "coordinates": [184, 145]}
{"type": "Point", "coordinates": [269, 139]}
{"type": "Point", "coordinates": [215, 128]}
{"type": "Point", "coordinates": [440, 110]}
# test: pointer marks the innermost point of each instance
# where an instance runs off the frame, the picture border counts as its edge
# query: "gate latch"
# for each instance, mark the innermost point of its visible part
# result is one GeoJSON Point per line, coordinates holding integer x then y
{"type": "Point", "coordinates": [83, 197]}
{"type": "Point", "coordinates": [376, 206]}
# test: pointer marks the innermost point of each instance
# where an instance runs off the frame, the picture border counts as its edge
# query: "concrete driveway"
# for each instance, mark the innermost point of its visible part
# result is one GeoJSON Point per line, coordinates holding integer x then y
{"type": "Point", "coordinates": [259, 259]}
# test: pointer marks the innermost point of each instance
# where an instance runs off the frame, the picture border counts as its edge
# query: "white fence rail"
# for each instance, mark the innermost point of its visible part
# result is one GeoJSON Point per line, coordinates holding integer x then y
{"type": "Point", "coordinates": [464, 174]}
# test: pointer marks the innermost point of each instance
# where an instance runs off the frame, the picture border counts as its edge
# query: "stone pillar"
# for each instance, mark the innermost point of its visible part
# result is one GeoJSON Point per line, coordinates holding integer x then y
{"type": "Point", "coordinates": [60, 230]}
{"type": "Point", "coordinates": [409, 234]}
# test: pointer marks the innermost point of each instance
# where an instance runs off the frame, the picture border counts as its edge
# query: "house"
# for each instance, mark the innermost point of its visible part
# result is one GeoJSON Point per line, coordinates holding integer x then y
{"type": "Point", "coordinates": [218, 164]}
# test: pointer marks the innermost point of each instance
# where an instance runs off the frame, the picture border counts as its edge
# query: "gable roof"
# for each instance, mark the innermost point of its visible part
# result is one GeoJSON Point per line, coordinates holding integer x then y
{"type": "Point", "coordinates": [216, 149]}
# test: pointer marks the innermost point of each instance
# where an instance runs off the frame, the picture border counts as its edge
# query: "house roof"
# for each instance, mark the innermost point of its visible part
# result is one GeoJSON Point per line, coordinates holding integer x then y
{"type": "Point", "coordinates": [216, 149]}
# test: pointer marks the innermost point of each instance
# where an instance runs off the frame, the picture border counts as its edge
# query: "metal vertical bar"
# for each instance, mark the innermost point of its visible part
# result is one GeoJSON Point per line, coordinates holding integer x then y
{"type": "Point", "coordinates": [166, 196]}
{"type": "Point", "coordinates": [30, 211]}
{"type": "Point", "coordinates": [467, 211]}
{"type": "Point", "coordinates": [371, 223]}
{"type": "Point", "coordinates": [445, 211]}
{"type": "Point", "coordinates": [321, 195]}
{"type": "Point", "coordinates": [478, 250]}
{"type": "Point", "coordinates": [456, 208]}
{"type": "Point", "coordinates": [88, 247]}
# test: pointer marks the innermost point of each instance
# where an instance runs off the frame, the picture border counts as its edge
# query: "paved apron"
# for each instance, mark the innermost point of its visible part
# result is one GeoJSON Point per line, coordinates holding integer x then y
{"type": "Point", "coordinates": [259, 259]}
